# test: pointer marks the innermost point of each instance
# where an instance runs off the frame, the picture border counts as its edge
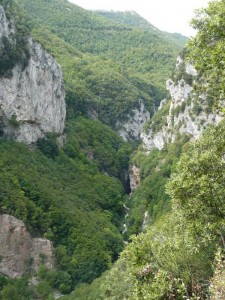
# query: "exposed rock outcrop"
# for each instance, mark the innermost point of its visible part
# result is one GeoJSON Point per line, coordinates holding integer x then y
{"type": "Point", "coordinates": [133, 126]}
{"type": "Point", "coordinates": [19, 251]}
{"type": "Point", "coordinates": [134, 174]}
{"type": "Point", "coordinates": [32, 100]}
{"type": "Point", "coordinates": [188, 113]}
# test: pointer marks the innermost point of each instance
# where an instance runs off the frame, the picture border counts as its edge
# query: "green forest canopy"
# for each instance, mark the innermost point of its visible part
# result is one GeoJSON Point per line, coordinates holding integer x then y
{"type": "Point", "coordinates": [108, 67]}
{"type": "Point", "coordinates": [175, 257]}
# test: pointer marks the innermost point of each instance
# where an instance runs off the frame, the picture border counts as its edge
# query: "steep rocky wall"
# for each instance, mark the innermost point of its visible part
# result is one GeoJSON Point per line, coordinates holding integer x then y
{"type": "Point", "coordinates": [133, 126]}
{"type": "Point", "coordinates": [32, 99]}
{"type": "Point", "coordinates": [188, 113]}
{"type": "Point", "coordinates": [19, 251]}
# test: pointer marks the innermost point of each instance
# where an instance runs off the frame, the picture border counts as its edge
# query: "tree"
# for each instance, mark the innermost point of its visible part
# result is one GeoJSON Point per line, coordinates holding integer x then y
{"type": "Point", "coordinates": [207, 49]}
{"type": "Point", "coordinates": [198, 186]}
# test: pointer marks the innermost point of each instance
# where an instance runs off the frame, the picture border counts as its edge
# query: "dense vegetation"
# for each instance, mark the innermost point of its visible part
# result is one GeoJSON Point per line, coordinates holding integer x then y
{"type": "Point", "coordinates": [210, 43]}
{"type": "Point", "coordinates": [15, 46]}
{"type": "Point", "coordinates": [133, 49]}
{"type": "Point", "coordinates": [97, 86]}
{"type": "Point", "coordinates": [155, 171]}
{"type": "Point", "coordinates": [74, 195]}
{"type": "Point", "coordinates": [132, 19]}
{"type": "Point", "coordinates": [174, 259]}
{"type": "Point", "coordinates": [108, 67]}
{"type": "Point", "coordinates": [61, 194]}
{"type": "Point", "coordinates": [181, 254]}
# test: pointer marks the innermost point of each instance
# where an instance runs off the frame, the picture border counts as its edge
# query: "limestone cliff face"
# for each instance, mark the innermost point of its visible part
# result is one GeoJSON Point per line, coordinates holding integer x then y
{"type": "Point", "coordinates": [18, 250]}
{"type": "Point", "coordinates": [32, 99]}
{"type": "Point", "coordinates": [188, 113]}
{"type": "Point", "coordinates": [133, 126]}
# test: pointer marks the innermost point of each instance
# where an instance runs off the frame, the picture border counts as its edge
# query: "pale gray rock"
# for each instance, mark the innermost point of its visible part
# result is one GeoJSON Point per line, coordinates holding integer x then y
{"type": "Point", "coordinates": [33, 97]}
{"type": "Point", "coordinates": [133, 126]}
{"type": "Point", "coordinates": [154, 140]}
{"type": "Point", "coordinates": [42, 253]}
{"type": "Point", "coordinates": [162, 103]}
{"type": "Point", "coordinates": [19, 251]}
{"type": "Point", "coordinates": [145, 221]}
{"type": "Point", "coordinates": [189, 68]}
{"type": "Point", "coordinates": [179, 92]}
{"type": "Point", "coordinates": [57, 295]}
{"type": "Point", "coordinates": [182, 117]}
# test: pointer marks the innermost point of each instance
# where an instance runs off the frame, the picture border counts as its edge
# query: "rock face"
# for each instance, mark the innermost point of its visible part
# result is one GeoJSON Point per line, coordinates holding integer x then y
{"type": "Point", "coordinates": [134, 174]}
{"type": "Point", "coordinates": [32, 100]}
{"type": "Point", "coordinates": [19, 251]}
{"type": "Point", "coordinates": [131, 128]}
{"type": "Point", "coordinates": [188, 113]}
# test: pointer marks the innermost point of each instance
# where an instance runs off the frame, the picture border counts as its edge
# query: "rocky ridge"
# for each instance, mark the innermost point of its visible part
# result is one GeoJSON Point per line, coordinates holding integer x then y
{"type": "Point", "coordinates": [32, 100]}
{"type": "Point", "coordinates": [19, 251]}
{"type": "Point", "coordinates": [188, 113]}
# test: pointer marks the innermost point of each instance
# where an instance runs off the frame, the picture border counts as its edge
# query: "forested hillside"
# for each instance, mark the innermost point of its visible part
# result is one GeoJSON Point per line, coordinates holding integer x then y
{"type": "Point", "coordinates": [73, 192]}
{"type": "Point", "coordinates": [181, 253]}
{"type": "Point", "coordinates": [133, 20]}
{"type": "Point", "coordinates": [72, 195]}
{"type": "Point", "coordinates": [107, 66]}
{"type": "Point", "coordinates": [135, 50]}
{"type": "Point", "coordinates": [74, 189]}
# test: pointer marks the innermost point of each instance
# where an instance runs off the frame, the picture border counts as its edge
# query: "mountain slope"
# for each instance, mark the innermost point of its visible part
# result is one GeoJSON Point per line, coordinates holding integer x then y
{"type": "Point", "coordinates": [63, 189]}
{"type": "Point", "coordinates": [181, 255]}
{"type": "Point", "coordinates": [128, 18]}
{"type": "Point", "coordinates": [133, 20]}
{"type": "Point", "coordinates": [137, 61]}
{"type": "Point", "coordinates": [91, 33]}
{"type": "Point", "coordinates": [75, 194]}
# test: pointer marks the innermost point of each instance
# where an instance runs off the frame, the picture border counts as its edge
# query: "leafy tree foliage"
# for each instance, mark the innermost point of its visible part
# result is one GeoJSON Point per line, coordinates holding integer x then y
{"type": "Point", "coordinates": [206, 50]}
{"type": "Point", "coordinates": [155, 171]}
{"type": "Point", "coordinates": [74, 195]}
{"type": "Point", "coordinates": [198, 185]}
{"type": "Point", "coordinates": [15, 48]}
{"type": "Point", "coordinates": [101, 144]}
{"type": "Point", "coordinates": [133, 20]}
{"type": "Point", "coordinates": [76, 215]}
{"type": "Point", "coordinates": [98, 35]}
{"type": "Point", "coordinates": [99, 87]}
{"type": "Point", "coordinates": [48, 146]}
{"type": "Point", "coordinates": [174, 259]}
{"type": "Point", "coordinates": [108, 67]}
{"type": "Point", "coordinates": [217, 287]}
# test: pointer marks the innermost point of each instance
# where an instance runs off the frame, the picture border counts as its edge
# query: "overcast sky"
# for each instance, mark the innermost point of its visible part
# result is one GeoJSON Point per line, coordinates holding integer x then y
{"type": "Point", "coordinates": [167, 15]}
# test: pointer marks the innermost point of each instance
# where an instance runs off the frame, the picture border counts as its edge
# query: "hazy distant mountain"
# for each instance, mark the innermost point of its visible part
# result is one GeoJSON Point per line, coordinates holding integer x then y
{"type": "Point", "coordinates": [132, 19]}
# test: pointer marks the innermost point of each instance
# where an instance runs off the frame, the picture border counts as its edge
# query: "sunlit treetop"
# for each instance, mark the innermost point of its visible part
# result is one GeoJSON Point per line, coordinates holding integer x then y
{"type": "Point", "coordinates": [207, 48]}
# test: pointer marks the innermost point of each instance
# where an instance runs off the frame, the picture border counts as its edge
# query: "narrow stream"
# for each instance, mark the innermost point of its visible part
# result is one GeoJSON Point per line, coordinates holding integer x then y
{"type": "Point", "coordinates": [126, 209]}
